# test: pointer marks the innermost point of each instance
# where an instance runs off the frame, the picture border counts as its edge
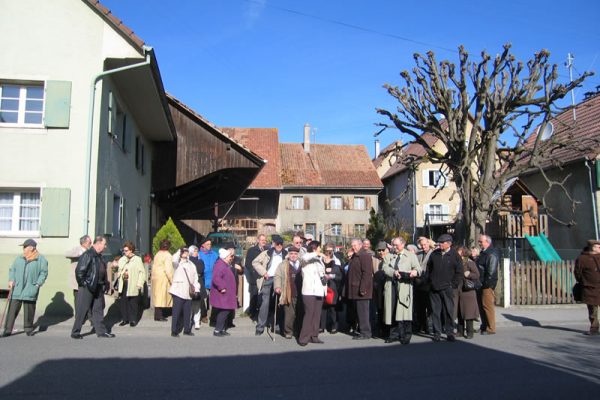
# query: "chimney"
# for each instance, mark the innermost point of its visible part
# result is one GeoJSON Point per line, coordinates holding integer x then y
{"type": "Point", "coordinates": [377, 149]}
{"type": "Point", "coordinates": [306, 138]}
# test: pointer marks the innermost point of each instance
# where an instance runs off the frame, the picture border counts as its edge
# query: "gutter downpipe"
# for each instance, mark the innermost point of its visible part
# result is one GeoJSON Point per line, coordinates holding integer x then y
{"type": "Point", "coordinates": [414, 204]}
{"type": "Point", "coordinates": [88, 160]}
{"type": "Point", "coordinates": [593, 198]}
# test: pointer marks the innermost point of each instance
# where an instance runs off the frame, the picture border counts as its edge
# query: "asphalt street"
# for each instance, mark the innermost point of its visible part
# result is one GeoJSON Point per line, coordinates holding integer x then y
{"type": "Point", "coordinates": [537, 353]}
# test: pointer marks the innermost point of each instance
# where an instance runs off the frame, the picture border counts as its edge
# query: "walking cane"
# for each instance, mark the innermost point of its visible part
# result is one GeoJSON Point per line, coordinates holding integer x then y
{"type": "Point", "coordinates": [2, 324]}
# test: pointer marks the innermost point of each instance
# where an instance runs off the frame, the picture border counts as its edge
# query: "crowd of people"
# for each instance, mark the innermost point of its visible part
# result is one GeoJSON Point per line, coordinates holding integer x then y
{"type": "Point", "coordinates": [300, 290]}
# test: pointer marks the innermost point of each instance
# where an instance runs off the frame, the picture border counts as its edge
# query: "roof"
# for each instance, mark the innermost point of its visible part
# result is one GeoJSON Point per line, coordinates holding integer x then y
{"type": "Point", "coordinates": [583, 130]}
{"type": "Point", "coordinates": [116, 23]}
{"type": "Point", "coordinates": [411, 151]}
{"type": "Point", "coordinates": [383, 154]}
{"type": "Point", "coordinates": [265, 143]}
{"type": "Point", "coordinates": [327, 165]}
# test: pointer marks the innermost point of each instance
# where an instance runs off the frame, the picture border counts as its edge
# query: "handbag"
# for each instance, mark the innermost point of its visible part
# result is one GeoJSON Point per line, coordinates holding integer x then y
{"type": "Point", "coordinates": [329, 297]}
{"type": "Point", "coordinates": [191, 289]}
{"type": "Point", "coordinates": [578, 292]}
{"type": "Point", "coordinates": [469, 284]}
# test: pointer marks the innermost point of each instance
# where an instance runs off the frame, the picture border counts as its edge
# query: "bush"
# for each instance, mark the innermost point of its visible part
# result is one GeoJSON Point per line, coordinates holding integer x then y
{"type": "Point", "coordinates": [168, 231]}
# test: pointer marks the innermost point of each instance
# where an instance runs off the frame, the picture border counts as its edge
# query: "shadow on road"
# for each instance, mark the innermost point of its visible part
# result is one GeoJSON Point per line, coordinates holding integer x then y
{"type": "Point", "coordinates": [525, 321]}
{"type": "Point", "coordinates": [56, 312]}
{"type": "Point", "coordinates": [419, 371]}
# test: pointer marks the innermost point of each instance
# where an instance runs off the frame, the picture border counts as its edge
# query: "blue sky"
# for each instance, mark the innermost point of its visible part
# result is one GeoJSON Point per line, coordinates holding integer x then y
{"type": "Point", "coordinates": [284, 63]}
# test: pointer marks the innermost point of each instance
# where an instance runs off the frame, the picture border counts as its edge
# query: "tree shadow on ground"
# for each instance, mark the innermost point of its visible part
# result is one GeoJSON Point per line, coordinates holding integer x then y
{"type": "Point", "coordinates": [56, 312]}
{"type": "Point", "coordinates": [525, 321]}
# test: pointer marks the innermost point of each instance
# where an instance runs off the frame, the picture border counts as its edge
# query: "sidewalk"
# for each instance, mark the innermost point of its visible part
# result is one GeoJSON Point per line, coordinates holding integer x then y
{"type": "Point", "coordinates": [550, 315]}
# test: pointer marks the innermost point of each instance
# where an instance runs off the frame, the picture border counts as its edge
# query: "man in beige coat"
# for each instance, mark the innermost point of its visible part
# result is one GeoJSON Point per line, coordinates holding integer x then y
{"type": "Point", "coordinates": [162, 276]}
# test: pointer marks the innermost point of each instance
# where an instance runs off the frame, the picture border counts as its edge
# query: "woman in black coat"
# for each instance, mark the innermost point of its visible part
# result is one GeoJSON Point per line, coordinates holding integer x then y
{"type": "Point", "coordinates": [333, 274]}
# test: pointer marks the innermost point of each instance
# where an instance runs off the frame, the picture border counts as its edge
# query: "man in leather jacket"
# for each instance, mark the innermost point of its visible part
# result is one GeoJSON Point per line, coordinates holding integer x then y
{"type": "Point", "coordinates": [487, 262]}
{"type": "Point", "coordinates": [92, 280]}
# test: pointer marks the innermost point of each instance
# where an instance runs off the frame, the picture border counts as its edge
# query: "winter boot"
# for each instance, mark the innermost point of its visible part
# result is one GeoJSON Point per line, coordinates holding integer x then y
{"type": "Point", "coordinates": [469, 329]}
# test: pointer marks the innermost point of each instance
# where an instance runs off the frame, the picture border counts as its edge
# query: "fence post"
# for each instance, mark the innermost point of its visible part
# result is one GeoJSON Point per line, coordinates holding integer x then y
{"type": "Point", "coordinates": [506, 282]}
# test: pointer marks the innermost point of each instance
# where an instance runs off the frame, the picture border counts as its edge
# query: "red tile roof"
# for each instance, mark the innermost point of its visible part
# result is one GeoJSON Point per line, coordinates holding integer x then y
{"type": "Point", "coordinates": [116, 23]}
{"type": "Point", "coordinates": [327, 165]}
{"type": "Point", "coordinates": [265, 143]}
{"type": "Point", "coordinates": [410, 152]}
{"type": "Point", "coordinates": [583, 132]}
{"type": "Point", "coordinates": [384, 153]}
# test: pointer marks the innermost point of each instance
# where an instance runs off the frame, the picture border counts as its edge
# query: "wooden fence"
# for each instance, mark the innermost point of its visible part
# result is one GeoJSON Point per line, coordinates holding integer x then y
{"type": "Point", "coordinates": [538, 283]}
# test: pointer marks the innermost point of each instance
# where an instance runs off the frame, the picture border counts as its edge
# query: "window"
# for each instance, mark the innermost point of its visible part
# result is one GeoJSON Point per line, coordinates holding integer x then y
{"type": "Point", "coordinates": [359, 203]}
{"type": "Point", "coordinates": [117, 215]}
{"type": "Point", "coordinates": [336, 203]}
{"type": "Point", "coordinates": [436, 212]}
{"type": "Point", "coordinates": [336, 229]}
{"type": "Point", "coordinates": [297, 202]}
{"type": "Point", "coordinates": [20, 212]}
{"type": "Point", "coordinates": [298, 227]}
{"type": "Point", "coordinates": [434, 178]}
{"type": "Point", "coordinates": [312, 229]}
{"type": "Point", "coordinates": [21, 104]}
{"type": "Point", "coordinates": [359, 230]}
{"type": "Point", "coordinates": [139, 155]}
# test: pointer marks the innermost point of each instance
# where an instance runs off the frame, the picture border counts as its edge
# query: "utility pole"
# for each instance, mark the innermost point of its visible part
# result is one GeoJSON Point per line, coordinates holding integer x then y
{"type": "Point", "coordinates": [569, 65]}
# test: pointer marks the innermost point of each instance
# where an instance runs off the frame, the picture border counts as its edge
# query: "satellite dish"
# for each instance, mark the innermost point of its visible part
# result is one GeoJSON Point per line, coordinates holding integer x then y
{"type": "Point", "coordinates": [548, 131]}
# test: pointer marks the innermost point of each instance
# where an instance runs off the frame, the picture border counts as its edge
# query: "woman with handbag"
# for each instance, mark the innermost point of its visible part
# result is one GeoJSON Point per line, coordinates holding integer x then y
{"type": "Point", "coordinates": [314, 288]}
{"type": "Point", "coordinates": [333, 272]}
{"type": "Point", "coordinates": [184, 286]}
{"type": "Point", "coordinates": [131, 278]}
{"type": "Point", "coordinates": [223, 299]}
{"type": "Point", "coordinates": [468, 309]}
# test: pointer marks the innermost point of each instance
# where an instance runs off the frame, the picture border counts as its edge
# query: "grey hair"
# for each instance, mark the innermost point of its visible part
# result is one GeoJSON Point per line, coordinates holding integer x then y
{"type": "Point", "coordinates": [84, 239]}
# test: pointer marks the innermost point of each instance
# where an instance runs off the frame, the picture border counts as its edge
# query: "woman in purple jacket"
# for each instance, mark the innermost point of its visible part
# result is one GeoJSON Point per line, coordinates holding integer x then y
{"type": "Point", "coordinates": [223, 296]}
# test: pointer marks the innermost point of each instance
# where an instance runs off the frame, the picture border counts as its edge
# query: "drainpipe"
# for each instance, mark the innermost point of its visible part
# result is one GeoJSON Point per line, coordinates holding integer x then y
{"type": "Point", "coordinates": [414, 202]}
{"type": "Point", "coordinates": [593, 197]}
{"type": "Point", "coordinates": [88, 160]}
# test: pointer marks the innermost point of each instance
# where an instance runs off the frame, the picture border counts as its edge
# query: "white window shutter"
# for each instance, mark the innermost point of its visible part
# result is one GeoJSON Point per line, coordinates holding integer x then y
{"type": "Point", "coordinates": [425, 177]}
{"type": "Point", "coordinates": [445, 211]}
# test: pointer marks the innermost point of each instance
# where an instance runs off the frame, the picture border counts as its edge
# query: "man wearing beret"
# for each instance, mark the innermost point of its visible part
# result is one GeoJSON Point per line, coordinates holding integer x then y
{"type": "Point", "coordinates": [444, 271]}
{"type": "Point", "coordinates": [25, 277]}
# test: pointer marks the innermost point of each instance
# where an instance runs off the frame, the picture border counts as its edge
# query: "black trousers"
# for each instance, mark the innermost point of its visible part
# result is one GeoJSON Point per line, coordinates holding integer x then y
{"type": "Point", "coordinates": [13, 311]}
{"type": "Point", "coordinates": [130, 305]}
{"type": "Point", "coordinates": [312, 317]}
{"type": "Point", "coordinates": [221, 318]}
{"type": "Point", "coordinates": [182, 312]}
{"type": "Point", "coordinates": [87, 300]}
{"type": "Point", "coordinates": [442, 307]}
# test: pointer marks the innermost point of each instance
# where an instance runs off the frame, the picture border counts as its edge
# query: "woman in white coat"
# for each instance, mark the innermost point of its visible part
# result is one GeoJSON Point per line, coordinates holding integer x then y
{"type": "Point", "coordinates": [185, 280]}
{"type": "Point", "coordinates": [314, 287]}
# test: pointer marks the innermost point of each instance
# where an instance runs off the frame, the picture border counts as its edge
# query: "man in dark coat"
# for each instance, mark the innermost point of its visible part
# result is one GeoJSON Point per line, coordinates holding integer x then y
{"type": "Point", "coordinates": [587, 272]}
{"type": "Point", "coordinates": [360, 286]}
{"type": "Point", "coordinates": [487, 263]}
{"type": "Point", "coordinates": [251, 276]}
{"type": "Point", "coordinates": [92, 279]}
{"type": "Point", "coordinates": [444, 272]}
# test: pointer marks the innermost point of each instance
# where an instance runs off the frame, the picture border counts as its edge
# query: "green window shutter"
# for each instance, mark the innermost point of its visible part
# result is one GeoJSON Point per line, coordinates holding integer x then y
{"type": "Point", "coordinates": [108, 212]}
{"type": "Point", "coordinates": [58, 104]}
{"type": "Point", "coordinates": [56, 206]}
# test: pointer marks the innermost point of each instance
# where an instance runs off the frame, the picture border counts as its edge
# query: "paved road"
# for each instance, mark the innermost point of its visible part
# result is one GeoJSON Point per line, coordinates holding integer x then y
{"type": "Point", "coordinates": [536, 354]}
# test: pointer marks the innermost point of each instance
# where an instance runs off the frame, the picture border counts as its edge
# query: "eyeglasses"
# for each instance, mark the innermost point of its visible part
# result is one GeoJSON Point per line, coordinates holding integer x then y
{"type": "Point", "coordinates": [381, 250]}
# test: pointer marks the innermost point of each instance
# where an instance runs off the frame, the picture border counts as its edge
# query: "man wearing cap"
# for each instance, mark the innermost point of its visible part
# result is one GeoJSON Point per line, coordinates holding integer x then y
{"type": "Point", "coordinates": [444, 271]}
{"type": "Point", "coordinates": [265, 265]}
{"type": "Point", "coordinates": [487, 263]}
{"type": "Point", "coordinates": [25, 277]}
{"type": "Point", "coordinates": [587, 272]}
{"type": "Point", "coordinates": [288, 285]}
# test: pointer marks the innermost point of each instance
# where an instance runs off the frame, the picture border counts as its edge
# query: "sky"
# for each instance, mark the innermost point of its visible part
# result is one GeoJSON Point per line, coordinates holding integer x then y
{"type": "Point", "coordinates": [284, 63]}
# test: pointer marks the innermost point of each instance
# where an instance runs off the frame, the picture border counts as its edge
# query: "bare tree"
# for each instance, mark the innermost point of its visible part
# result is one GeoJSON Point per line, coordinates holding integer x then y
{"type": "Point", "coordinates": [483, 112]}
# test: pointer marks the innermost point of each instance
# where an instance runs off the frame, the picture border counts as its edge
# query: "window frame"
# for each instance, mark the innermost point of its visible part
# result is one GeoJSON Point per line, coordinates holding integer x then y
{"type": "Point", "coordinates": [16, 217]}
{"type": "Point", "coordinates": [334, 231]}
{"type": "Point", "coordinates": [22, 103]}
{"type": "Point", "coordinates": [364, 203]}
{"type": "Point", "coordinates": [333, 203]}
{"type": "Point", "coordinates": [297, 202]}
{"type": "Point", "coordinates": [429, 178]}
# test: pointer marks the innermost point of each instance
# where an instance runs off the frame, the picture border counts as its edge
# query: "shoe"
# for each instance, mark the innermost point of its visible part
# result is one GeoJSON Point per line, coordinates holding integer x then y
{"type": "Point", "coordinates": [288, 336]}
{"type": "Point", "coordinates": [437, 338]}
{"type": "Point", "coordinates": [231, 326]}
{"type": "Point", "coordinates": [161, 319]}
{"type": "Point", "coordinates": [132, 324]}
{"type": "Point", "coordinates": [76, 336]}
{"type": "Point", "coordinates": [360, 337]}
{"type": "Point", "coordinates": [258, 332]}
{"type": "Point", "coordinates": [591, 333]}
{"type": "Point", "coordinates": [197, 326]}
{"type": "Point", "coordinates": [451, 338]}
{"type": "Point", "coordinates": [321, 330]}
{"type": "Point", "coordinates": [204, 320]}
{"type": "Point", "coordinates": [5, 334]}
{"type": "Point", "coordinates": [405, 341]}
{"type": "Point", "coordinates": [188, 334]}
{"type": "Point", "coordinates": [174, 335]}
{"type": "Point", "coordinates": [317, 340]}
{"type": "Point", "coordinates": [333, 331]}
{"type": "Point", "coordinates": [488, 333]}
{"type": "Point", "coordinates": [221, 334]}
{"type": "Point", "coordinates": [123, 323]}
{"type": "Point", "coordinates": [30, 333]}
{"type": "Point", "coordinates": [302, 344]}
{"type": "Point", "coordinates": [390, 340]}
{"type": "Point", "coordinates": [107, 335]}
